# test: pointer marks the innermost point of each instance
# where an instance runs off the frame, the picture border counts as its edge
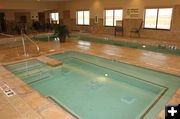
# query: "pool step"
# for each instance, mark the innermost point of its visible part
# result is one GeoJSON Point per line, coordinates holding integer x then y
{"type": "Point", "coordinates": [20, 64]}
{"type": "Point", "coordinates": [28, 65]}
{"type": "Point", "coordinates": [36, 78]}
{"type": "Point", "coordinates": [26, 68]}
{"type": "Point", "coordinates": [49, 61]}
{"type": "Point", "coordinates": [32, 72]}
{"type": "Point", "coordinates": [35, 75]}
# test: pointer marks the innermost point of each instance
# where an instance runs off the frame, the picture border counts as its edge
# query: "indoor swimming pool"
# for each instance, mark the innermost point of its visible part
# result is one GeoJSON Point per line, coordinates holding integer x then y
{"type": "Point", "coordinates": [91, 87]}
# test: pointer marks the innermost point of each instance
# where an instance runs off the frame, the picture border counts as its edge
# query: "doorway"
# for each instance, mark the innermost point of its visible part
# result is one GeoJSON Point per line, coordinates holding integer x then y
{"type": "Point", "coordinates": [41, 16]}
{"type": "Point", "coordinates": [2, 22]}
{"type": "Point", "coordinates": [67, 19]}
{"type": "Point", "coordinates": [23, 19]}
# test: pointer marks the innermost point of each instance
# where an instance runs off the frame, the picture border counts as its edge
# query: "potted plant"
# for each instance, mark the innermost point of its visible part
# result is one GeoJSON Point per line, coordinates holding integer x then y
{"type": "Point", "coordinates": [62, 32]}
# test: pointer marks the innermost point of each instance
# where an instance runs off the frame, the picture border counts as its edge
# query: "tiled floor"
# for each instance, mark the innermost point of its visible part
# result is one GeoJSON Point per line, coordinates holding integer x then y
{"type": "Point", "coordinates": [29, 104]}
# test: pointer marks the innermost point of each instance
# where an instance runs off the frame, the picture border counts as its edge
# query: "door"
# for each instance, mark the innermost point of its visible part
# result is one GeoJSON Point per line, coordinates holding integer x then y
{"type": "Point", "coordinates": [67, 19]}
{"type": "Point", "coordinates": [41, 16]}
{"type": "Point", "coordinates": [66, 14]}
{"type": "Point", "coordinates": [2, 22]}
{"type": "Point", "coordinates": [23, 19]}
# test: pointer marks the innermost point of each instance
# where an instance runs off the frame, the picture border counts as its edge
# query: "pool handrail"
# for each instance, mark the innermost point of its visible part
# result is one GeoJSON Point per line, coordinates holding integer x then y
{"type": "Point", "coordinates": [8, 35]}
{"type": "Point", "coordinates": [37, 47]}
{"type": "Point", "coordinates": [23, 35]}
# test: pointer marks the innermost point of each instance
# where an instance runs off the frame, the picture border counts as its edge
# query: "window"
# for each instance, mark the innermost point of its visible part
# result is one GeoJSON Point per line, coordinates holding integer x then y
{"type": "Point", "coordinates": [164, 18]}
{"type": "Point", "coordinates": [82, 17]}
{"type": "Point", "coordinates": [150, 18]}
{"type": "Point", "coordinates": [111, 16]}
{"type": "Point", "coordinates": [158, 18]}
{"type": "Point", "coordinates": [54, 18]}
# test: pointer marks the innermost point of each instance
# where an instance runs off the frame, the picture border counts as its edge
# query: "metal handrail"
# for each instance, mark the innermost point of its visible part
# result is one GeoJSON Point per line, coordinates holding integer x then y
{"type": "Point", "coordinates": [8, 35]}
{"type": "Point", "coordinates": [37, 47]}
{"type": "Point", "coordinates": [34, 35]}
{"type": "Point", "coordinates": [13, 37]}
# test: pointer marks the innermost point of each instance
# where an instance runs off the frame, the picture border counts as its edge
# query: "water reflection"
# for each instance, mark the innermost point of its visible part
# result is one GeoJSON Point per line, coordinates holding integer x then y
{"type": "Point", "coordinates": [84, 44]}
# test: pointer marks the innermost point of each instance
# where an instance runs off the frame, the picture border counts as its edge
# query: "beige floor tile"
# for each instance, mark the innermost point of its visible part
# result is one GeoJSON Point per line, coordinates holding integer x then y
{"type": "Point", "coordinates": [14, 82]}
{"type": "Point", "coordinates": [3, 99]}
{"type": "Point", "coordinates": [178, 92]}
{"type": "Point", "coordinates": [24, 90]}
{"type": "Point", "coordinates": [2, 68]}
{"type": "Point", "coordinates": [20, 105]}
{"type": "Point", "coordinates": [8, 112]}
{"type": "Point", "coordinates": [6, 75]}
{"type": "Point", "coordinates": [31, 115]}
{"type": "Point", "coordinates": [161, 114]}
{"type": "Point", "coordinates": [55, 112]}
{"type": "Point", "coordinates": [35, 100]}
{"type": "Point", "coordinates": [174, 100]}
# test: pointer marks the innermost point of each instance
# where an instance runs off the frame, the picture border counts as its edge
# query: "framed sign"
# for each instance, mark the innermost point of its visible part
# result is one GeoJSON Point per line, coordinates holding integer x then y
{"type": "Point", "coordinates": [132, 12]}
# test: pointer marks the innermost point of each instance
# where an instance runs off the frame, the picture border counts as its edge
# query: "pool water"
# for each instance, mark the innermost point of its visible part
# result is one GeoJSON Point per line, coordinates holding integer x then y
{"type": "Point", "coordinates": [91, 87]}
{"type": "Point", "coordinates": [161, 48]}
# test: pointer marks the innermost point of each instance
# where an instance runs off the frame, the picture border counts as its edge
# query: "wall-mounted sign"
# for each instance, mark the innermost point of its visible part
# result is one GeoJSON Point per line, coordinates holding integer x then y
{"type": "Point", "coordinates": [132, 13]}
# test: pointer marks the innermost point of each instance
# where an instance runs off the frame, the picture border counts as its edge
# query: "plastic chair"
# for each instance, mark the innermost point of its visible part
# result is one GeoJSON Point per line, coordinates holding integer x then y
{"type": "Point", "coordinates": [119, 27]}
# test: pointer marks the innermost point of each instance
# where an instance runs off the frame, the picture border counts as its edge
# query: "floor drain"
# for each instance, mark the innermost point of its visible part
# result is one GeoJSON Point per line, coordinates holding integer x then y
{"type": "Point", "coordinates": [128, 99]}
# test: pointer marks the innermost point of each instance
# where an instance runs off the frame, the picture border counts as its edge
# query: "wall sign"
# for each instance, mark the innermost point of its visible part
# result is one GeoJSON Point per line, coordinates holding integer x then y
{"type": "Point", "coordinates": [132, 12]}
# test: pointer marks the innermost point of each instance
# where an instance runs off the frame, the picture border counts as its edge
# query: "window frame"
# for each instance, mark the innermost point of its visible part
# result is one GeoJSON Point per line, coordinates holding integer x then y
{"type": "Point", "coordinates": [157, 17]}
{"type": "Point", "coordinates": [113, 16]}
{"type": "Point", "coordinates": [83, 17]}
